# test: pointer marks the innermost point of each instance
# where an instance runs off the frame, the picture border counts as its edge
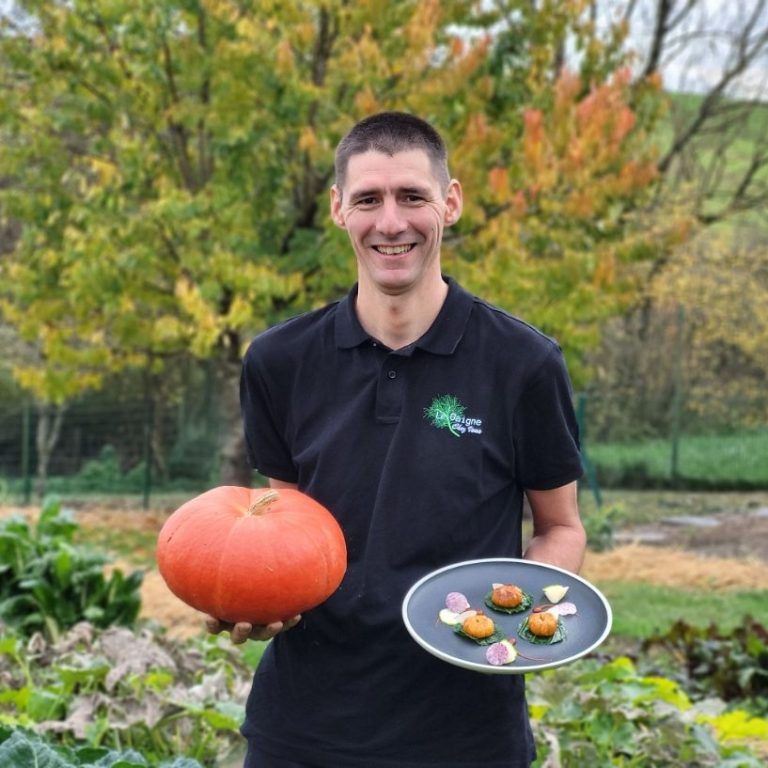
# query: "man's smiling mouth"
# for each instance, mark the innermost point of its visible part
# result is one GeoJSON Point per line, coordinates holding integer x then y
{"type": "Point", "coordinates": [393, 250]}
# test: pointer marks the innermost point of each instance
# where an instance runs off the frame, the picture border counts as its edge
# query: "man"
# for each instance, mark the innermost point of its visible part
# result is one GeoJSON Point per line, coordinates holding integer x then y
{"type": "Point", "coordinates": [341, 402]}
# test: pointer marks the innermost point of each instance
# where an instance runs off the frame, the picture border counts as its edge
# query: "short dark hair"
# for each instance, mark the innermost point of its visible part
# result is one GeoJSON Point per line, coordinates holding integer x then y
{"type": "Point", "coordinates": [390, 133]}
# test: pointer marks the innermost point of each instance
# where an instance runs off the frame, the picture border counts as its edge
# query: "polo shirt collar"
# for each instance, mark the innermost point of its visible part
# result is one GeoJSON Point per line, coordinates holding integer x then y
{"type": "Point", "coordinates": [441, 338]}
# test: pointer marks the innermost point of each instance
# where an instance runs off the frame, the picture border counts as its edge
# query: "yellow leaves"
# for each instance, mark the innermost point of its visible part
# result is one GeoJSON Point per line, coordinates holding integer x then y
{"type": "Point", "coordinates": [224, 10]}
{"type": "Point", "coordinates": [240, 313]}
{"type": "Point", "coordinates": [719, 283]}
{"type": "Point", "coordinates": [169, 332]}
{"type": "Point", "coordinates": [737, 725]}
{"type": "Point", "coordinates": [366, 103]}
{"type": "Point", "coordinates": [285, 63]}
{"type": "Point", "coordinates": [308, 139]}
{"type": "Point", "coordinates": [205, 323]}
{"type": "Point", "coordinates": [204, 318]}
{"type": "Point", "coordinates": [305, 33]}
{"type": "Point", "coordinates": [105, 170]}
{"type": "Point", "coordinates": [248, 28]}
{"type": "Point", "coordinates": [55, 384]}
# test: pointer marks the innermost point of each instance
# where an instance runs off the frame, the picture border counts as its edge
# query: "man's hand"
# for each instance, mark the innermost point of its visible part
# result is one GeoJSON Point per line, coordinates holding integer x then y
{"type": "Point", "coordinates": [242, 630]}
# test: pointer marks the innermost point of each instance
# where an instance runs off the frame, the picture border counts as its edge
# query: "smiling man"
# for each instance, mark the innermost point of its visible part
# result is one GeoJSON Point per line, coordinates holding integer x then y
{"type": "Point", "coordinates": [395, 203]}
{"type": "Point", "coordinates": [421, 416]}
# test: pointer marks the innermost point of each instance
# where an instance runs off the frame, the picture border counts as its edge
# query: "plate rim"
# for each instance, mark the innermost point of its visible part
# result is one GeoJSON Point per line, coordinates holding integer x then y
{"type": "Point", "coordinates": [508, 669]}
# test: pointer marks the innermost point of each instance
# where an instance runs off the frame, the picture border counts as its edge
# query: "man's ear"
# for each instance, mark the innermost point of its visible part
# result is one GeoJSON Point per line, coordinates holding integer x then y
{"type": "Point", "coordinates": [336, 214]}
{"type": "Point", "coordinates": [454, 203]}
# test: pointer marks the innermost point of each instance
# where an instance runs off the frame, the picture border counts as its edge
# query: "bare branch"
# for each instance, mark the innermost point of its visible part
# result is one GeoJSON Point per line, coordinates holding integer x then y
{"type": "Point", "coordinates": [178, 133]}
{"type": "Point", "coordinates": [664, 24]}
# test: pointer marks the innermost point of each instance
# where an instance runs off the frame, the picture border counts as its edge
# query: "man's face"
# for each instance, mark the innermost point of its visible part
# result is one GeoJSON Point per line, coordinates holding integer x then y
{"type": "Point", "coordinates": [394, 211]}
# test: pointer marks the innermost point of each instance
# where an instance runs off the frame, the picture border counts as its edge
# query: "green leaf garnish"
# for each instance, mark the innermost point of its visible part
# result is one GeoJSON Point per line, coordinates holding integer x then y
{"type": "Point", "coordinates": [525, 604]}
{"type": "Point", "coordinates": [526, 634]}
{"type": "Point", "coordinates": [496, 637]}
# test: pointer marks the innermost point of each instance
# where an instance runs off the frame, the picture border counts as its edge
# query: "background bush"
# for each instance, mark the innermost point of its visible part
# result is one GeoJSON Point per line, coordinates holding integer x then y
{"type": "Point", "coordinates": [48, 583]}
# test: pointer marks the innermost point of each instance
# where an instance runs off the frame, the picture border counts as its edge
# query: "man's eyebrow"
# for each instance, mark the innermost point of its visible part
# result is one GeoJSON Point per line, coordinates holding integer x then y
{"type": "Point", "coordinates": [420, 191]}
{"type": "Point", "coordinates": [361, 193]}
{"type": "Point", "coordinates": [373, 191]}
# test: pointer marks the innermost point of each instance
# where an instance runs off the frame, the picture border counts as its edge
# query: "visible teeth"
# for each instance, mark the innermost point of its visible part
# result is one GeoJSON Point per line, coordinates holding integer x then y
{"type": "Point", "coordinates": [392, 250]}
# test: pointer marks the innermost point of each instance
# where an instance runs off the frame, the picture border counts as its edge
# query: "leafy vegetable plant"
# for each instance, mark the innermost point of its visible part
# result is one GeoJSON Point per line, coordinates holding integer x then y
{"type": "Point", "coordinates": [731, 665]}
{"type": "Point", "coordinates": [607, 714]}
{"type": "Point", "coordinates": [96, 693]}
{"type": "Point", "coordinates": [48, 583]}
{"type": "Point", "coordinates": [21, 748]}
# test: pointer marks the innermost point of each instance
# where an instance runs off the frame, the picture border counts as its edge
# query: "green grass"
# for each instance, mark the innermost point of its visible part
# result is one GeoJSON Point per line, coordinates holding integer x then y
{"type": "Point", "coordinates": [704, 461]}
{"type": "Point", "coordinates": [640, 610]}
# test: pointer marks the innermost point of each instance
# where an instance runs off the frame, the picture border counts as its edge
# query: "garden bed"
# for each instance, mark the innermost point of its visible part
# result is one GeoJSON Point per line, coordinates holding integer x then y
{"type": "Point", "coordinates": [732, 555]}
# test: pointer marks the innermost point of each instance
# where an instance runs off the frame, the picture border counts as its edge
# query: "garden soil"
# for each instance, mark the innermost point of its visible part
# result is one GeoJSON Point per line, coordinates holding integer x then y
{"type": "Point", "coordinates": [729, 554]}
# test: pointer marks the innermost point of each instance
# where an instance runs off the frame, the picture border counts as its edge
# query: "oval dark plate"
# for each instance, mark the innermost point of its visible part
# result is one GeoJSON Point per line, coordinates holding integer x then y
{"type": "Point", "coordinates": [424, 600]}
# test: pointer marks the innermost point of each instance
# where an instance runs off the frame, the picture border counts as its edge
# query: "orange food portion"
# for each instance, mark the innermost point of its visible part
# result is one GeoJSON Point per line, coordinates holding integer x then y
{"type": "Point", "coordinates": [542, 624]}
{"type": "Point", "coordinates": [507, 596]}
{"type": "Point", "coordinates": [478, 626]}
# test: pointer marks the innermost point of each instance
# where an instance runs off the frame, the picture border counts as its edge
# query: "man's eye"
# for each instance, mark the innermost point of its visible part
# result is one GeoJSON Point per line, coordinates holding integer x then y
{"type": "Point", "coordinates": [367, 201]}
{"type": "Point", "coordinates": [413, 198]}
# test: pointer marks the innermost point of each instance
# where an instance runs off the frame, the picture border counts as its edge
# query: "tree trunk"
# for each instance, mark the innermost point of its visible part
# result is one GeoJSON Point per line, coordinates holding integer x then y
{"type": "Point", "coordinates": [234, 468]}
{"type": "Point", "coordinates": [49, 421]}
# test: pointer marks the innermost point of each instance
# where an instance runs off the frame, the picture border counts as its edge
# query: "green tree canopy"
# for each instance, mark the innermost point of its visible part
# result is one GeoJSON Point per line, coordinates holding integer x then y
{"type": "Point", "coordinates": [168, 163]}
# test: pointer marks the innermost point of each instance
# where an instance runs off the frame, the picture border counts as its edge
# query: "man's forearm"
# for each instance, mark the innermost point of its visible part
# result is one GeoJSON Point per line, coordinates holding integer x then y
{"type": "Point", "coordinates": [563, 546]}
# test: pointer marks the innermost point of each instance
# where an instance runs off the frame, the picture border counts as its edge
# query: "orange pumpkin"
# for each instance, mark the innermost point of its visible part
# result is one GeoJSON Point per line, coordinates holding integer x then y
{"type": "Point", "coordinates": [256, 555]}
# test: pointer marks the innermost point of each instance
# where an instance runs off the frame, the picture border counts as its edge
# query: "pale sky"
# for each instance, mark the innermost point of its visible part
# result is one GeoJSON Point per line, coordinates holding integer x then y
{"type": "Point", "coordinates": [698, 50]}
{"type": "Point", "coordinates": [705, 43]}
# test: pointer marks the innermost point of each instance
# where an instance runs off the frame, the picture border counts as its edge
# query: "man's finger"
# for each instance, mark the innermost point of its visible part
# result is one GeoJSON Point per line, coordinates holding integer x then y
{"type": "Point", "coordinates": [289, 623]}
{"type": "Point", "coordinates": [241, 632]}
{"type": "Point", "coordinates": [213, 625]}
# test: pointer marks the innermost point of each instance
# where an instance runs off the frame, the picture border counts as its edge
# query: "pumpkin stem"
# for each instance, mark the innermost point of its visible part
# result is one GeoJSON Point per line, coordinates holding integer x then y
{"type": "Point", "coordinates": [262, 503]}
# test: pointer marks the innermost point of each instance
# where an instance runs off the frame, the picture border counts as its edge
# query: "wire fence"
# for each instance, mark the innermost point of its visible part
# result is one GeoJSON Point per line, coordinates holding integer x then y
{"type": "Point", "coordinates": [147, 446]}
{"type": "Point", "coordinates": [135, 447]}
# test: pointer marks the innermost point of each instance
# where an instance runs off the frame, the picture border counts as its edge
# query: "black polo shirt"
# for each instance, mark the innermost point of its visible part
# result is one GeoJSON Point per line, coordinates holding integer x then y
{"type": "Point", "coordinates": [423, 455]}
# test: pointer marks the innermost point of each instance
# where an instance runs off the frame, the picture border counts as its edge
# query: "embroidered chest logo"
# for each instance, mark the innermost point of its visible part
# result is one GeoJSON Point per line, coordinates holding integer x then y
{"type": "Point", "coordinates": [447, 412]}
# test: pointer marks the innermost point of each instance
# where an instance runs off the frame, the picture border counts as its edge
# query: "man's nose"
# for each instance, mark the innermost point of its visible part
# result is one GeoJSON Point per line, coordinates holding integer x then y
{"type": "Point", "coordinates": [390, 221]}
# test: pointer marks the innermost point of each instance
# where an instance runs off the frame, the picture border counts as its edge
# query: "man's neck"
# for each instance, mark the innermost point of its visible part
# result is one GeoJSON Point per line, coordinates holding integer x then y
{"type": "Point", "coordinates": [399, 320]}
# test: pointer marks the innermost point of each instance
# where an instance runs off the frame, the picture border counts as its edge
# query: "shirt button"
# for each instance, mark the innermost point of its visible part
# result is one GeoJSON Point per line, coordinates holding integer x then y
{"type": "Point", "coordinates": [392, 374]}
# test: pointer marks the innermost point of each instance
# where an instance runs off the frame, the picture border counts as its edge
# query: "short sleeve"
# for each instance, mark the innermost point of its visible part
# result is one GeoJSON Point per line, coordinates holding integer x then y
{"type": "Point", "coordinates": [546, 433]}
{"type": "Point", "coordinates": [262, 421]}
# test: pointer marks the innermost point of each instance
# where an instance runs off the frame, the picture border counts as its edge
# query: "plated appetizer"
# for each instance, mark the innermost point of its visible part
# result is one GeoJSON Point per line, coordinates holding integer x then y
{"type": "Point", "coordinates": [468, 622]}
{"type": "Point", "coordinates": [480, 628]}
{"type": "Point", "coordinates": [543, 628]}
{"type": "Point", "coordinates": [508, 598]}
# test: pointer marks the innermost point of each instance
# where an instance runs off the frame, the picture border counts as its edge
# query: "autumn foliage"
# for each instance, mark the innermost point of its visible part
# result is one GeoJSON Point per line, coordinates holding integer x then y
{"type": "Point", "coordinates": [168, 166]}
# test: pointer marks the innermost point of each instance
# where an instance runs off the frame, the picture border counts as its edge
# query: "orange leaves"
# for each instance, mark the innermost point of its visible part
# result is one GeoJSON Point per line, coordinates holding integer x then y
{"type": "Point", "coordinates": [604, 275]}
{"type": "Point", "coordinates": [420, 31]}
{"type": "Point", "coordinates": [581, 152]}
{"type": "Point", "coordinates": [603, 117]}
{"type": "Point", "coordinates": [498, 178]}
{"type": "Point", "coordinates": [533, 138]}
